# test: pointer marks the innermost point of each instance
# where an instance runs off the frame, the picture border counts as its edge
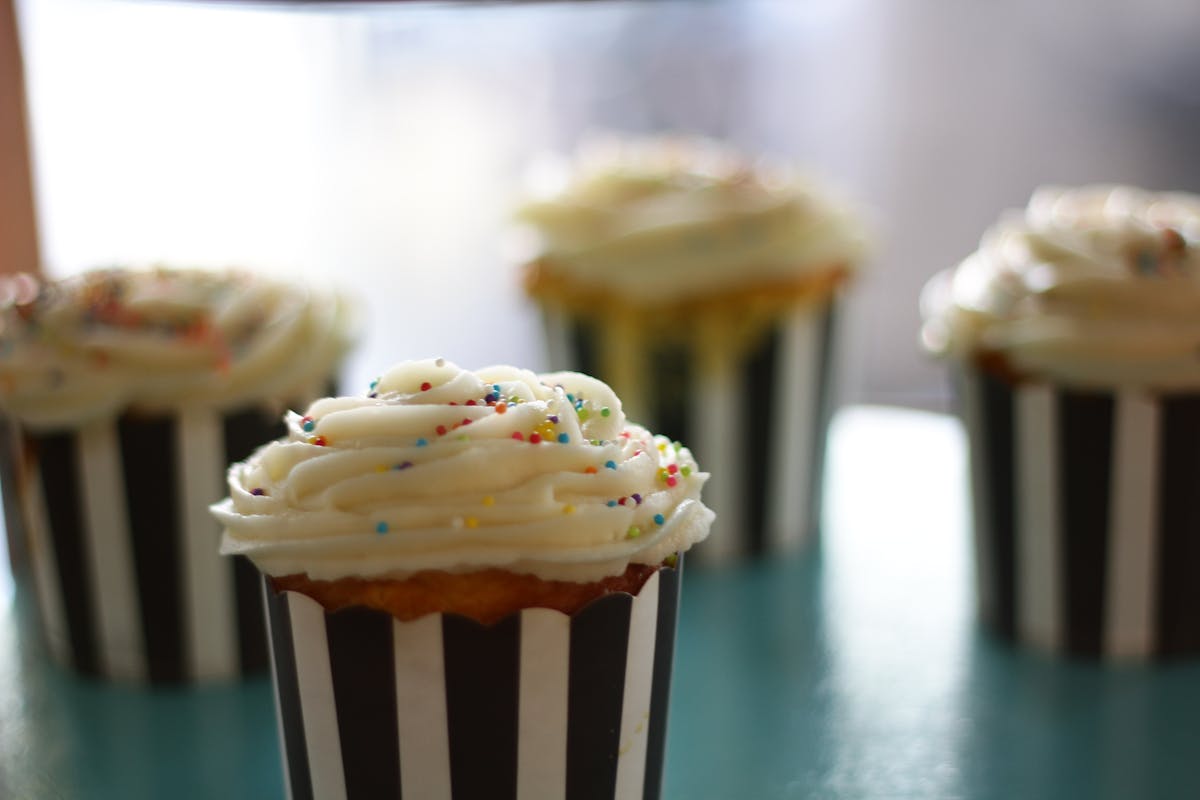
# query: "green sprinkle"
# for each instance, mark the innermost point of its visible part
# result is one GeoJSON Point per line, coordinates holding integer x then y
{"type": "Point", "coordinates": [671, 560]}
{"type": "Point", "coordinates": [685, 471]}
{"type": "Point", "coordinates": [604, 412]}
{"type": "Point", "coordinates": [583, 414]}
{"type": "Point", "coordinates": [633, 532]}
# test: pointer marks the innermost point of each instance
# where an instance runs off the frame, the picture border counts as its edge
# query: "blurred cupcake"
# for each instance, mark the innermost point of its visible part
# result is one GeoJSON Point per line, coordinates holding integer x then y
{"type": "Point", "coordinates": [702, 287]}
{"type": "Point", "coordinates": [1075, 333]}
{"type": "Point", "coordinates": [472, 581]}
{"type": "Point", "coordinates": [131, 391]}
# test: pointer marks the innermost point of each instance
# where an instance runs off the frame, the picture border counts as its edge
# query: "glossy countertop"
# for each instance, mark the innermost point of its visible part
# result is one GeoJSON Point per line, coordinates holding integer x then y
{"type": "Point", "coordinates": [853, 670]}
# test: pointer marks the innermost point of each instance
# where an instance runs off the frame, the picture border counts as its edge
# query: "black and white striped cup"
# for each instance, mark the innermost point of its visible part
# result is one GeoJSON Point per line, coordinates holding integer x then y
{"type": "Point", "coordinates": [538, 706]}
{"type": "Point", "coordinates": [1086, 516]}
{"type": "Point", "coordinates": [124, 549]}
{"type": "Point", "coordinates": [761, 416]}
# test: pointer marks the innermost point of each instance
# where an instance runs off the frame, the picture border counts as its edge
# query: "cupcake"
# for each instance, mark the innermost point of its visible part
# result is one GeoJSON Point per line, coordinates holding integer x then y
{"type": "Point", "coordinates": [702, 287]}
{"type": "Point", "coordinates": [471, 582]}
{"type": "Point", "coordinates": [1075, 332]}
{"type": "Point", "coordinates": [131, 391]}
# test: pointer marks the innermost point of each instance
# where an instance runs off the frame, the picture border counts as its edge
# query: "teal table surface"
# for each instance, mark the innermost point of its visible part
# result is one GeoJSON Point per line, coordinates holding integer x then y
{"type": "Point", "coordinates": [853, 670]}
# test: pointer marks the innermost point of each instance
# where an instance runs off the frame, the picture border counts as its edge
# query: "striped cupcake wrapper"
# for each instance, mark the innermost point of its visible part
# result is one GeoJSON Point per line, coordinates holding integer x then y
{"type": "Point", "coordinates": [13, 477]}
{"type": "Point", "coordinates": [1086, 518]}
{"type": "Point", "coordinates": [541, 705]}
{"type": "Point", "coordinates": [762, 416]}
{"type": "Point", "coordinates": [124, 549]}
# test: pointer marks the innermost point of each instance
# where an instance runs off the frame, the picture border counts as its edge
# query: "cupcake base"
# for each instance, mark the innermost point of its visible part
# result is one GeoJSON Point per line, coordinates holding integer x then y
{"type": "Point", "coordinates": [759, 407]}
{"type": "Point", "coordinates": [541, 704]}
{"type": "Point", "coordinates": [124, 550]}
{"type": "Point", "coordinates": [1085, 516]}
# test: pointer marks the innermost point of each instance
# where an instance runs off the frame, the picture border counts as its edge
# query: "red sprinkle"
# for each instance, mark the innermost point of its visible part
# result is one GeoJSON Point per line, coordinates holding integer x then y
{"type": "Point", "coordinates": [441, 429]}
{"type": "Point", "coordinates": [426, 386]}
{"type": "Point", "coordinates": [470, 402]}
{"type": "Point", "coordinates": [672, 469]}
{"type": "Point", "coordinates": [534, 438]}
{"type": "Point", "coordinates": [622, 500]}
{"type": "Point", "coordinates": [671, 481]}
{"type": "Point", "coordinates": [517, 435]}
{"type": "Point", "coordinates": [319, 441]}
{"type": "Point", "coordinates": [466, 421]}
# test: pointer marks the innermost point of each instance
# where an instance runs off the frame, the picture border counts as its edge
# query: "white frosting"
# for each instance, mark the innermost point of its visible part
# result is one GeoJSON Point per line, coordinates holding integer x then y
{"type": "Point", "coordinates": [1095, 286]}
{"type": "Point", "coordinates": [160, 340]}
{"type": "Point", "coordinates": [671, 218]}
{"type": "Point", "coordinates": [495, 468]}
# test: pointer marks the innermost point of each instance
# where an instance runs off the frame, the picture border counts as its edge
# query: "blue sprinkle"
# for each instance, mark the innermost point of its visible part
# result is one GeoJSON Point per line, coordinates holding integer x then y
{"type": "Point", "coordinates": [421, 442]}
{"type": "Point", "coordinates": [496, 389]}
{"type": "Point", "coordinates": [610, 464]}
{"type": "Point", "coordinates": [308, 426]}
{"type": "Point", "coordinates": [659, 519]}
{"type": "Point", "coordinates": [381, 527]}
{"type": "Point", "coordinates": [563, 438]}
{"type": "Point", "coordinates": [374, 383]}
{"type": "Point", "coordinates": [612, 503]}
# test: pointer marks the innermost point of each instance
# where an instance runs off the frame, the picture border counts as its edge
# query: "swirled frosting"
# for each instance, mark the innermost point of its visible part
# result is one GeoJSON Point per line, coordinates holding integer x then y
{"type": "Point", "coordinates": [438, 468]}
{"type": "Point", "coordinates": [1092, 286]}
{"type": "Point", "coordinates": [668, 219]}
{"type": "Point", "coordinates": [162, 339]}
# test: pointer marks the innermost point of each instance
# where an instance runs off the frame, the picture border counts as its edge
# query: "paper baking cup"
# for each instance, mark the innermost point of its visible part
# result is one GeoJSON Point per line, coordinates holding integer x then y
{"type": "Point", "coordinates": [13, 476]}
{"type": "Point", "coordinates": [1086, 516]}
{"type": "Point", "coordinates": [541, 705]}
{"type": "Point", "coordinates": [124, 548]}
{"type": "Point", "coordinates": [762, 416]}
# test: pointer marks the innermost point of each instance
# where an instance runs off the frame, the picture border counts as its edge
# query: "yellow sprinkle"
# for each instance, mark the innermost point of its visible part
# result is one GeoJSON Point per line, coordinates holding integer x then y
{"type": "Point", "coordinates": [382, 468]}
{"type": "Point", "coordinates": [472, 522]}
{"type": "Point", "coordinates": [568, 509]}
{"type": "Point", "coordinates": [662, 447]}
{"type": "Point", "coordinates": [489, 500]}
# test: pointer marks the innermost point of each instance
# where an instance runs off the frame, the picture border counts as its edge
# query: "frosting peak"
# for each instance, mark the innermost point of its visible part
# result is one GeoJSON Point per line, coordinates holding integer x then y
{"type": "Point", "coordinates": [161, 339]}
{"type": "Point", "coordinates": [436, 467]}
{"type": "Point", "coordinates": [677, 217]}
{"type": "Point", "coordinates": [1094, 286]}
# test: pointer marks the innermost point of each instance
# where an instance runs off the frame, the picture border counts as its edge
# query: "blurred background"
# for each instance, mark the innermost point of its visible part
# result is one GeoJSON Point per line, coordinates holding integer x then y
{"type": "Point", "coordinates": [384, 145]}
